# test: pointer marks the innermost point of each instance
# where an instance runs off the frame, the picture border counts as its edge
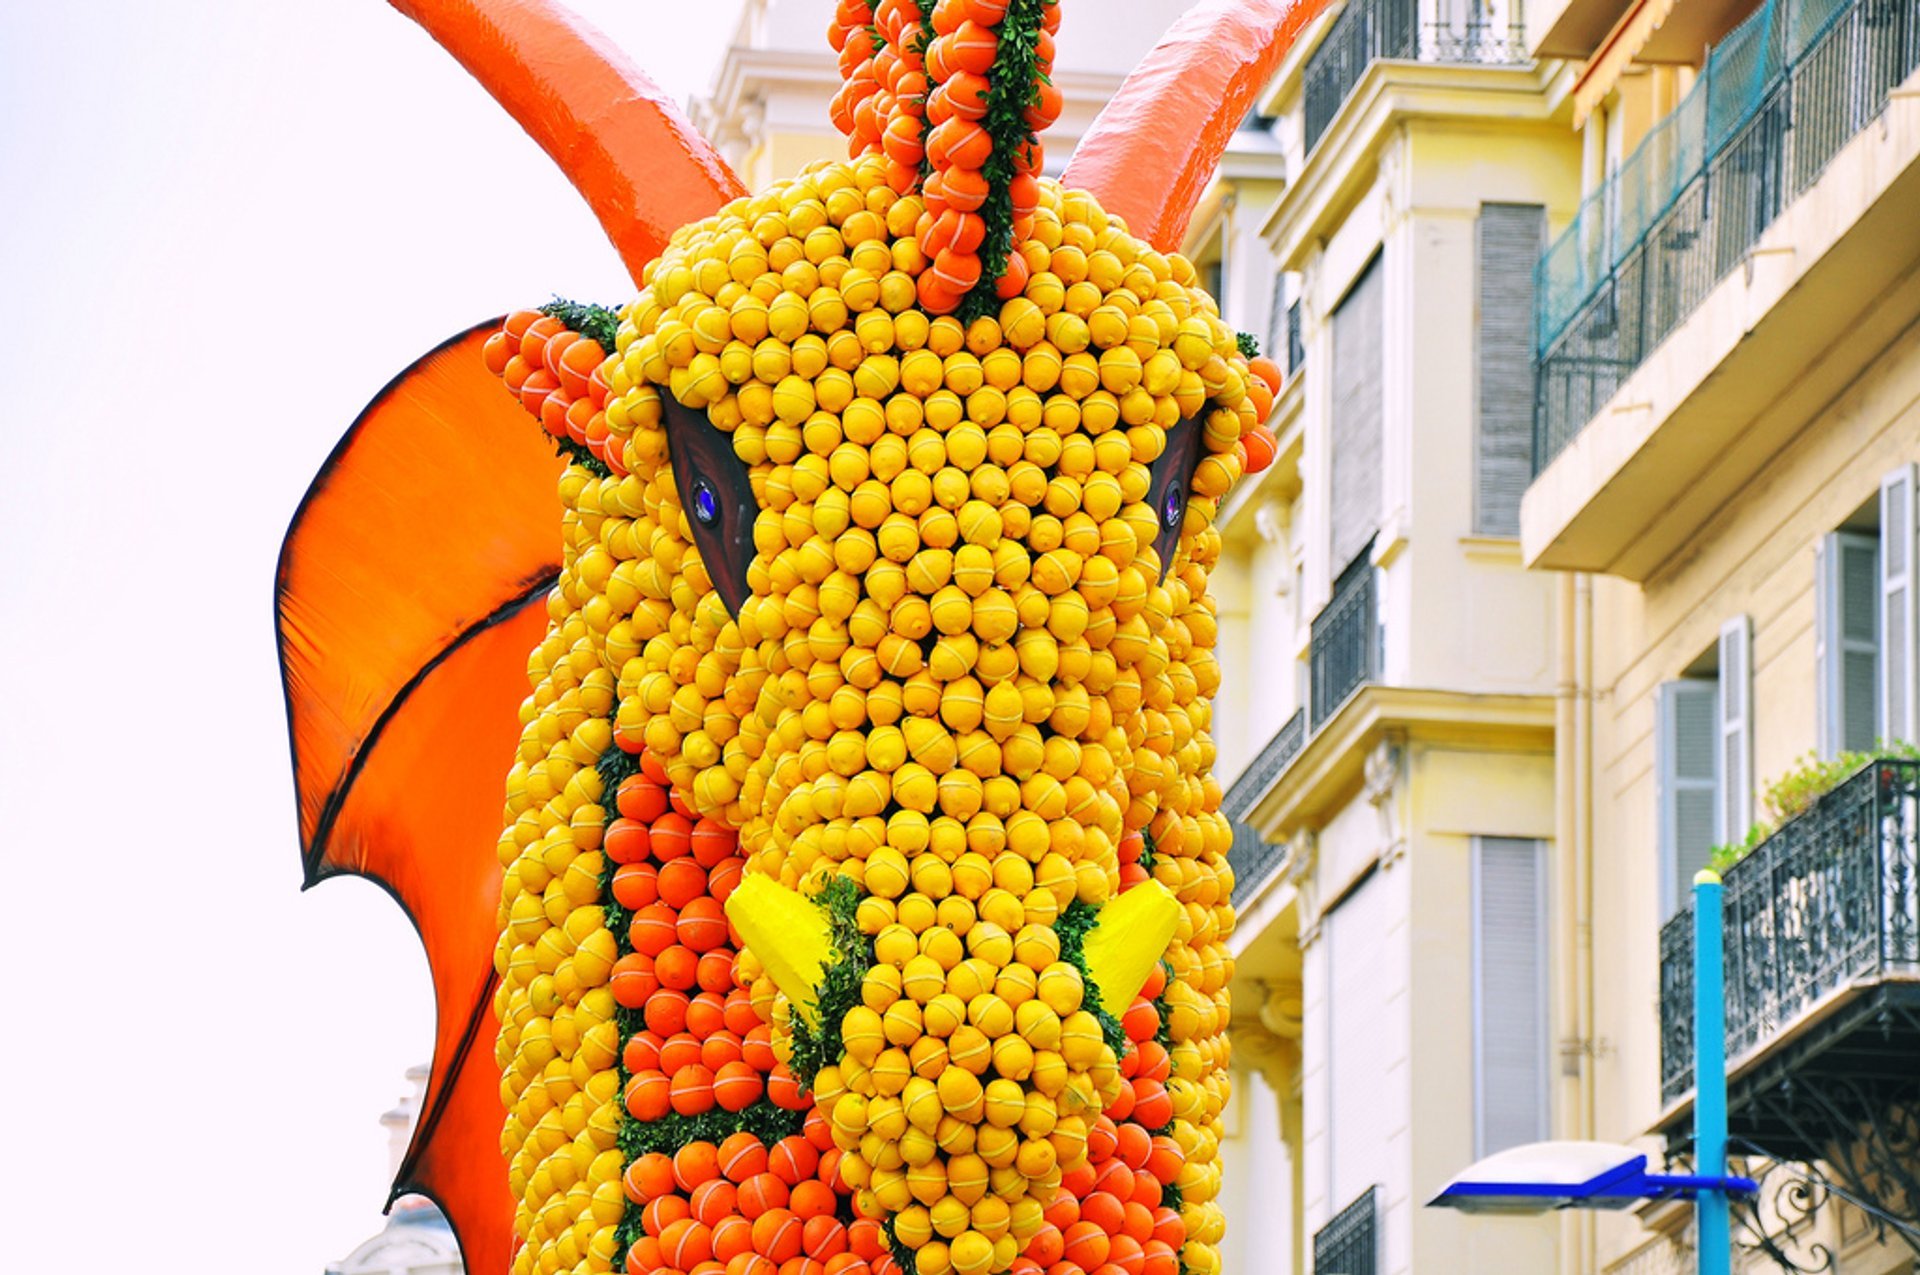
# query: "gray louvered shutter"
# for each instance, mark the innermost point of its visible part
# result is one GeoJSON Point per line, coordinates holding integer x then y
{"type": "Point", "coordinates": [1846, 646]}
{"type": "Point", "coordinates": [1685, 748]}
{"type": "Point", "coordinates": [1736, 729]}
{"type": "Point", "coordinates": [1511, 239]}
{"type": "Point", "coordinates": [1509, 993]}
{"type": "Point", "coordinates": [1357, 430]}
{"type": "Point", "coordinates": [1899, 716]}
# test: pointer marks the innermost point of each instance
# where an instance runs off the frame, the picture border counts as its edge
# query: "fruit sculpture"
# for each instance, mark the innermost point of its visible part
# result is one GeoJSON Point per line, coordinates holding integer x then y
{"type": "Point", "coordinates": [860, 900]}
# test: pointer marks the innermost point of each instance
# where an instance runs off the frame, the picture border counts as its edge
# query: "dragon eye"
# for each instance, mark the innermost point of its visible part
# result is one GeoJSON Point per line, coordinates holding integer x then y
{"type": "Point", "coordinates": [715, 490]}
{"type": "Point", "coordinates": [1169, 481]}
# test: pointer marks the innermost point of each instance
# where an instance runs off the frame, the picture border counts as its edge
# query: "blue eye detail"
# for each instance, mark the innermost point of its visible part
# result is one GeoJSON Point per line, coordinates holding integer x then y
{"type": "Point", "coordinates": [1170, 483]}
{"type": "Point", "coordinates": [1172, 508]}
{"type": "Point", "coordinates": [716, 494]}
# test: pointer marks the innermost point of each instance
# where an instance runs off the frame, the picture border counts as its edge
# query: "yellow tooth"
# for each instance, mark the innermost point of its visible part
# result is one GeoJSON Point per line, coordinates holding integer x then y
{"type": "Point", "coordinates": [1132, 933]}
{"type": "Point", "coordinates": [789, 935]}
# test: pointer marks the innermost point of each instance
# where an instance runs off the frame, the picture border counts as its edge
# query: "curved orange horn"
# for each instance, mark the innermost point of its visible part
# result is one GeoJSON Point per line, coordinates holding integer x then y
{"type": "Point", "coordinates": [634, 155]}
{"type": "Point", "coordinates": [1149, 154]}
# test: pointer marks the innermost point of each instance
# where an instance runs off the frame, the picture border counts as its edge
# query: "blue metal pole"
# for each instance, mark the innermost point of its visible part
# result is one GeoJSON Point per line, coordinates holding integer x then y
{"type": "Point", "coordinates": [1710, 1074]}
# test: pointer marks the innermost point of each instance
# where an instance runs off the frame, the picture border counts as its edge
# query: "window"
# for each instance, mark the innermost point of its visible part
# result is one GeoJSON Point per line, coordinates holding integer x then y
{"type": "Point", "coordinates": [1684, 760]}
{"type": "Point", "coordinates": [1703, 760]}
{"type": "Point", "coordinates": [1510, 1084]}
{"type": "Point", "coordinates": [1356, 427]}
{"type": "Point", "coordinates": [1361, 984]}
{"type": "Point", "coordinates": [1846, 646]}
{"type": "Point", "coordinates": [1512, 238]}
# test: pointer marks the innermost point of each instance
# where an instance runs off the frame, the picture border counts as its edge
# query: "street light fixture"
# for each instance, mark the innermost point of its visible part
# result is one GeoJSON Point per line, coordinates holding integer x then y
{"type": "Point", "coordinates": [1542, 1176]}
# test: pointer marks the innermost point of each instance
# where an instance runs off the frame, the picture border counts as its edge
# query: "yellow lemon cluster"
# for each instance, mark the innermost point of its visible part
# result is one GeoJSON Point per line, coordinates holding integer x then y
{"type": "Point", "coordinates": [964, 672]}
{"type": "Point", "coordinates": [559, 1040]}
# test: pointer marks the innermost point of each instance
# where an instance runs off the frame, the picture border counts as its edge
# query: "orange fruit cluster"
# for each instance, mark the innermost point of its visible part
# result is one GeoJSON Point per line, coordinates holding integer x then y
{"type": "Point", "coordinates": [917, 86]}
{"type": "Point", "coordinates": [557, 375]}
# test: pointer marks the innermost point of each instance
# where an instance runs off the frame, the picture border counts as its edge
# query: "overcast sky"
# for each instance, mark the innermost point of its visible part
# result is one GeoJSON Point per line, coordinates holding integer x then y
{"type": "Point", "coordinates": [224, 224]}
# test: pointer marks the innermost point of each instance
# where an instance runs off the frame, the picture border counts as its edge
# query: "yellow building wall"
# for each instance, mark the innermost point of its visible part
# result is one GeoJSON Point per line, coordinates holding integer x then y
{"type": "Point", "coordinates": [1755, 556]}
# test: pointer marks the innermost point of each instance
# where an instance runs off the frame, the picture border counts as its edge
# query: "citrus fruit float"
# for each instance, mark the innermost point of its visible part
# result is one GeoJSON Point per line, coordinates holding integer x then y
{"type": "Point", "coordinates": [860, 900]}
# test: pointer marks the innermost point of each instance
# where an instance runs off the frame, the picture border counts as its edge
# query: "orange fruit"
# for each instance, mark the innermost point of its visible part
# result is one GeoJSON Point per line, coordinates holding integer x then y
{"type": "Point", "coordinates": [648, 1096]}
{"type": "Point", "coordinates": [648, 1177]}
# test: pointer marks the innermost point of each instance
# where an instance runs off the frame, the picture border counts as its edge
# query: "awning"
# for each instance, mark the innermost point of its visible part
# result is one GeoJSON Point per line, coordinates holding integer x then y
{"type": "Point", "coordinates": [1618, 51]}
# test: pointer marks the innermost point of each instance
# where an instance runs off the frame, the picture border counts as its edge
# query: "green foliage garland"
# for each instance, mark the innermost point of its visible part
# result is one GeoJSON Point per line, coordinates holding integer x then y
{"type": "Point", "coordinates": [1249, 344]}
{"type": "Point", "coordinates": [595, 322]}
{"type": "Point", "coordinates": [616, 765]}
{"type": "Point", "coordinates": [814, 1048]}
{"type": "Point", "coordinates": [764, 1120]}
{"type": "Point", "coordinates": [1073, 925]}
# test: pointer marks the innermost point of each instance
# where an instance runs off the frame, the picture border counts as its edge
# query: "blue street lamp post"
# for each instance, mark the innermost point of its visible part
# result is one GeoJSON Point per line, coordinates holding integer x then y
{"type": "Point", "coordinates": [1542, 1176]}
{"type": "Point", "coordinates": [1710, 1074]}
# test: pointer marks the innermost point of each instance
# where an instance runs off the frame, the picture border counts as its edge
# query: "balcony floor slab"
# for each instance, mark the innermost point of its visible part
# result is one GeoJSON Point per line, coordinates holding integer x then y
{"type": "Point", "coordinates": [1827, 287]}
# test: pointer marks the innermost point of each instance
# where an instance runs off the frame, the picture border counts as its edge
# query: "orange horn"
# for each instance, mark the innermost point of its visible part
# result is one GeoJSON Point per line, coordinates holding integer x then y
{"type": "Point", "coordinates": [634, 155]}
{"type": "Point", "coordinates": [1149, 154]}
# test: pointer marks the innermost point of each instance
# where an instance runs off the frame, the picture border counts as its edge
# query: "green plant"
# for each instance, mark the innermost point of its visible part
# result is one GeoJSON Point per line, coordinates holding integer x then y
{"type": "Point", "coordinates": [1793, 793]}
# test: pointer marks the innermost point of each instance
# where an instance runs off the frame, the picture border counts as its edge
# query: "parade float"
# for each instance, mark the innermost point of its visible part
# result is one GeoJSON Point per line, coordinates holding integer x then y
{"type": "Point", "coordinates": [860, 897]}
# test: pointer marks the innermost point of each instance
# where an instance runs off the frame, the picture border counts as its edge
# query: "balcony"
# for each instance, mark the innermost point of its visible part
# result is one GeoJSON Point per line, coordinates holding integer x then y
{"type": "Point", "coordinates": [1348, 1244]}
{"type": "Point", "coordinates": [1369, 31]}
{"type": "Point", "coordinates": [1252, 857]}
{"type": "Point", "coordinates": [1822, 933]}
{"type": "Point", "coordinates": [1742, 269]}
{"type": "Point", "coordinates": [1344, 648]}
{"type": "Point", "coordinates": [1776, 100]}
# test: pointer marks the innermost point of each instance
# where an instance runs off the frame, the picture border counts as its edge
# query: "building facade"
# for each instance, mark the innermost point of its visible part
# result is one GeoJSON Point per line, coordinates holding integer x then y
{"type": "Point", "coordinates": [1392, 766]}
{"type": "Point", "coordinates": [1728, 419]}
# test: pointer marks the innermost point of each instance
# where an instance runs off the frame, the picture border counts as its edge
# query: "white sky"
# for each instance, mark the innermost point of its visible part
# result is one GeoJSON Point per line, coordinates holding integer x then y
{"type": "Point", "coordinates": [224, 225]}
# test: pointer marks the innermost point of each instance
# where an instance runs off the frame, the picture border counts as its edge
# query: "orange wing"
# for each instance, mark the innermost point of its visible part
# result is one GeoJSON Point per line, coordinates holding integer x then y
{"type": "Point", "coordinates": [409, 592]}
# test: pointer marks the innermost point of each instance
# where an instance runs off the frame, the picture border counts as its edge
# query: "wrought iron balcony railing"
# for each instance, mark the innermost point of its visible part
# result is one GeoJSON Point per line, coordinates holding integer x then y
{"type": "Point", "coordinates": [1347, 1244]}
{"type": "Point", "coordinates": [1828, 901]}
{"type": "Point", "coordinates": [1252, 857]}
{"type": "Point", "coordinates": [1344, 649]}
{"type": "Point", "coordinates": [1369, 31]}
{"type": "Point", "coordinates": [1776, 100]}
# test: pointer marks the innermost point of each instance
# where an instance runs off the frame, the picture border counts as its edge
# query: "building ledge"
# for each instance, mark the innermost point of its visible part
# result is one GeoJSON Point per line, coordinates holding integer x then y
{"type": "Point", "coordinates": [1826, 288]}
{"type": "Point", "coordinates": [1341, 165]}
{"type": "Point", "coordinates": [1329, 768]}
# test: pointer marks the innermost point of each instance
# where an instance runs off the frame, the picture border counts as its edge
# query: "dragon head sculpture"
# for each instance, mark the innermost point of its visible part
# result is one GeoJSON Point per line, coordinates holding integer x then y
{"type": "Point", "coordinates": [862, 888]}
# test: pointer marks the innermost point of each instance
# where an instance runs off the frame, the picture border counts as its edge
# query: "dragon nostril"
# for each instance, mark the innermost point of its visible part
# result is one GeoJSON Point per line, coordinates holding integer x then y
{"type": "Point", "coordinates": [706, 505]}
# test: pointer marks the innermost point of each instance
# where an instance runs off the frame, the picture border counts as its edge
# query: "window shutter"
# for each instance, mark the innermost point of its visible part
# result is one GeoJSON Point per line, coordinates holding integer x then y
{"type": "Point", "coordinates": [1357, 430]}
{"type": "Point", "coordinates": [1685, 767]}
{"type": "Point", "coordinates": [1898, 713]}
{"type": "Point", "coordinates": [1846, 644]}
{"type": "Point", "coordinates": [1736, 728]}
{"type": "Point", "coordinates": [1277, 324]}
{"type": "Point", "coordinates": [1511, 240]}
{"type": "Point", "coordinates": [1361, 986]}
{"type": "Point", "coordinates": [1509, 993]}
